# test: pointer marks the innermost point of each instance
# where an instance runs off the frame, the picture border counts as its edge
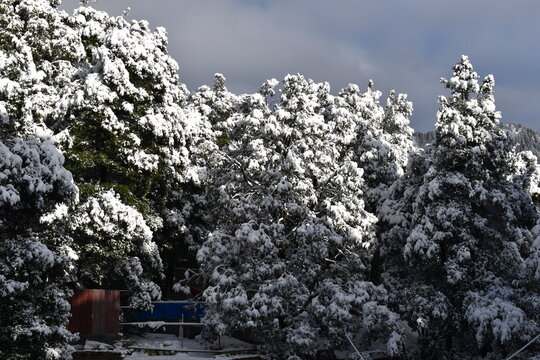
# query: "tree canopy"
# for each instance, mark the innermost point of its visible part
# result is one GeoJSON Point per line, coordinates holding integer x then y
{"type": "Point", "coordinates": [309, 215]}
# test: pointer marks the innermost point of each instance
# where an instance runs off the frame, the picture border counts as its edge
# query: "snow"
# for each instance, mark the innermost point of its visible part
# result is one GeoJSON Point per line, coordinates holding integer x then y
{"type": "Point", "coordinates": [35, 167]}
{"type": "Point", "coordinates": [168, 342]}
{"type": "Point", "coordinates": [162, 346]}
{"type": "Point", "coordinates": [292, 202]}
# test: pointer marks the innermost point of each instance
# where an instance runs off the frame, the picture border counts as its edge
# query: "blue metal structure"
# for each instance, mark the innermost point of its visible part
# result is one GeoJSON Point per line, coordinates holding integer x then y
{"type": "Point", "coordinates": [168, 311]}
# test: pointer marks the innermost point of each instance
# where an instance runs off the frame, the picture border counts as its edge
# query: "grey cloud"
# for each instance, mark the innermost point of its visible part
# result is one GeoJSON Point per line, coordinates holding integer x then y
{"type": "Point", "coordinates": [403, 45]}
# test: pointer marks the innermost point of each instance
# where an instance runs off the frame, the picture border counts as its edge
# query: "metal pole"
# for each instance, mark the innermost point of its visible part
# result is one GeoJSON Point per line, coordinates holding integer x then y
{"type": "Point", "coordinates": [182, 333]}
{"type": "Point", "coordinates": [354, 347]}
{"type": "Point", "coordinates": [523, 348]}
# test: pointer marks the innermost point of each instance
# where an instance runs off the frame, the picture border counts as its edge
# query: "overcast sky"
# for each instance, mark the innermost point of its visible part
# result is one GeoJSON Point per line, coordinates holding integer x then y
{"type": "Point", "coordinates": [402, 45]}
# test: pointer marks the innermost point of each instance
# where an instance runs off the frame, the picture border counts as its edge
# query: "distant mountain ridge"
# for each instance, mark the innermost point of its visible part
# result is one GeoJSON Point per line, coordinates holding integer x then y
{"type": "Point", "coordinates": [527, 139]}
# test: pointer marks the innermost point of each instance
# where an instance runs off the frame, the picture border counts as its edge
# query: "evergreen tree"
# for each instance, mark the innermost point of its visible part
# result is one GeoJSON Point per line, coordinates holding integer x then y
{"type": "Point", "coordinates": [397, 133]}
{"type": "Point", "coordinates": [114, 240]}
{"type": "Point", "coordinates": [464, 232]}
{"type": "Point", "coordinates": [384, 138]}
{"type": "Point", "coordinates": [288, 257]}
{"type": "Point", "coordinates": [36, 258]}
{"type": "Point", "coordinates": [108, 94]}
{"type": "Point", "coordinates": [527, 174]}
{"type": "Point", "coordinates": [383, 146]}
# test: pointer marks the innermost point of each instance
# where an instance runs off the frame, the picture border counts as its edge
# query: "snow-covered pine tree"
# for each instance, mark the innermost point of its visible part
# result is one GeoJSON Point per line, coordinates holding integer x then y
{"type": "Point", "coordinates": [398, 133]}
{"type": "Point", "coordinates": [527, 174]}
{"type": "Point", "coordinates": [288, 259]}
{"type": "Point", "coordinates": [464, 231]}
{"type": "Point", "coordinates": [114, 240]}
{"type": "Point", "coordinates": [107, 92]}
{"type": "Point", "coordinates": [35, 258]}
{"type": "Point", "coordinates": [216, 103]}
{"type": "Point", "coordinates": [384, 138]}
{"type": "Point", "coordinates": [383, 145]}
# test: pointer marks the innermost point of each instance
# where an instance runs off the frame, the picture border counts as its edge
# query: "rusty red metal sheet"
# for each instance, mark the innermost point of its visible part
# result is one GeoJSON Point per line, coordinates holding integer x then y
{"type": "Point", "coordinates": [81, 312]}
{"type": "Point", "coordinates": [95, 312]}
{"type": "Point", "coordinates": [112, 298]}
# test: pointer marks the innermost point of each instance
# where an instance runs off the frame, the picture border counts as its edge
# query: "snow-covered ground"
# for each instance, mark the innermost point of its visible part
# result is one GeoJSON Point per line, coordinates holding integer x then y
{"type": "Point", "coordinates": [170, 347]}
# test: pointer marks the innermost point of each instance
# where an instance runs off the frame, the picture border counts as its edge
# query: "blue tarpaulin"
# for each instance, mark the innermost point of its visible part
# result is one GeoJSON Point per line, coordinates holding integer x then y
{"type": "Point", "coordinates": [169, 311]}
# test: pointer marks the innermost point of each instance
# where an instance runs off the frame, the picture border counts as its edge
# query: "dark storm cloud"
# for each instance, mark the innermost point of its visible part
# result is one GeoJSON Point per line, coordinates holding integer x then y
{"type": "Point", "coordinates": [406, 45]}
